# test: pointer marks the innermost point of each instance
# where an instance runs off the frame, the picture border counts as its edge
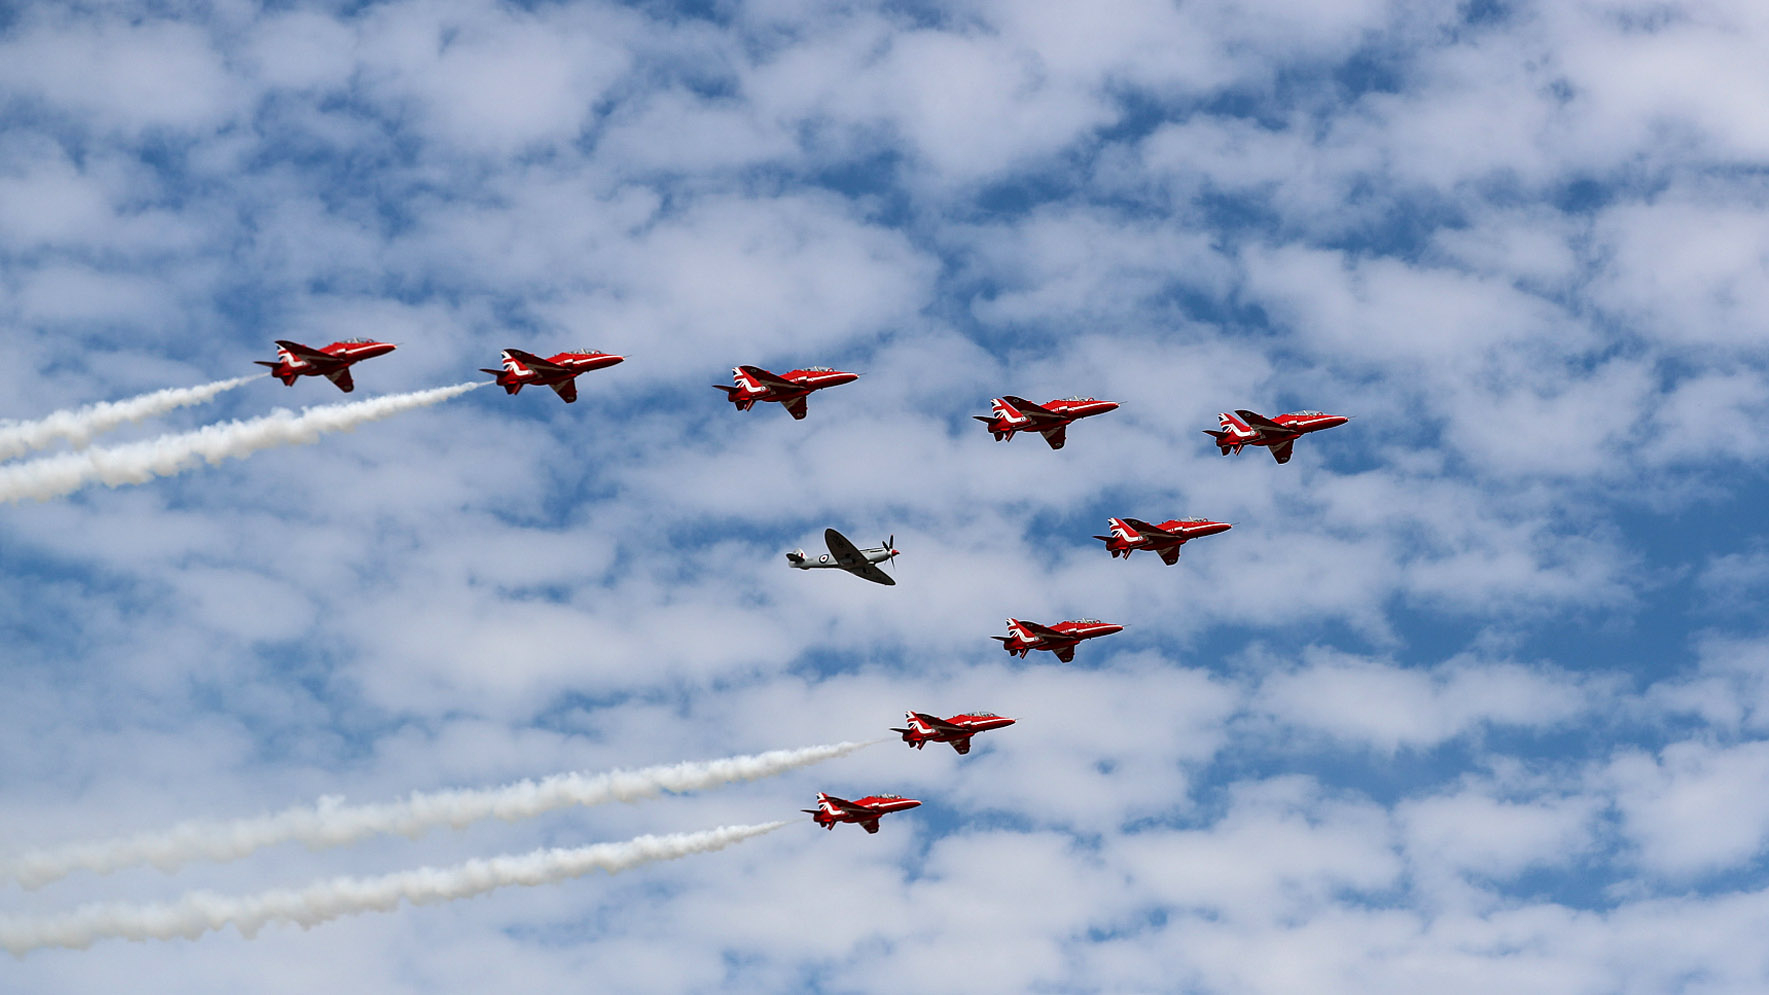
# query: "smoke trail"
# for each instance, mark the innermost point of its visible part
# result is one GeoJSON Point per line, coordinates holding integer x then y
{"type": "Point", "coordinates": [53, 476]}
{"type": "Point", "coordinates": [330, 823]}
{"type": "Point", "coordinates": [77, 426]}
{"type": "Point", "coordinates": [200, 912]}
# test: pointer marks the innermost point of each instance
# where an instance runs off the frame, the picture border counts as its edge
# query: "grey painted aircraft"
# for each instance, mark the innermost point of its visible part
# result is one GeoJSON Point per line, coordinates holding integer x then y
{"type": "Point", "coordinates": [847, 556]}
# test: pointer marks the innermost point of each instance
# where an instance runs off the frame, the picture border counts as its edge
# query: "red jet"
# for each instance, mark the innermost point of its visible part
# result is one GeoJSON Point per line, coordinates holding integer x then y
{"type": "Point", "coordinates": [956, 730]}
{"type": "Point", "coordinates": [1016, 414]}
{"type": "Point", "coordinates": [1247, 428]}
{"type": "Point", "coordinates": [333, 362]}
{"type": "Point", "coordinates": [756, 384]}
{"type": "Point", "coordinates": [1131, 534]}
{"type": "Point", "coordinates": [522, 369]}
{"type": "Point", "coordinates": [831, 810]}
{"type": "Point", "coordinates": [1061, 638]}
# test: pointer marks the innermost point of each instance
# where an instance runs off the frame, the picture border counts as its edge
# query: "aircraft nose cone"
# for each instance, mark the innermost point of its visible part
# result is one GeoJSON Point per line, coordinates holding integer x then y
{"type": "Point", "coordinates": [909, 803]}
{"type": "Point", "coordinates": [1108, 630]}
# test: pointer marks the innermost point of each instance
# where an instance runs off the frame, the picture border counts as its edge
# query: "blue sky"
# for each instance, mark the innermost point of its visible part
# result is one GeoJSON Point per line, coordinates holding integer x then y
{"type": "Point", "coordinates": [1471, 699]}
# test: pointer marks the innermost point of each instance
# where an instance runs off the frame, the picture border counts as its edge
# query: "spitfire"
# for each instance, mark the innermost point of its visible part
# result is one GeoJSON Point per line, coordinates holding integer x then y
{"type": "Point", "coordinates": [845, 555]}
{"type": "Point", "coordinates": [332, 362]}
{"type": "Point", "coordinates": [957, 730]}
{"type": "Point", "coordinates": [755, 384]}
{"type": "Point", "coordinates": [1131, 534]}
{"type": "Point", "coordinates": [1016, 414]}
{"type": "Point", "coordinates": [1061, 638]}
{"type": "Point", "coordinates": [560, 372]}
{"type": "Point", "coordinates": [1249, 428]}
{"type": "Point", "coordinates": [866, 811]}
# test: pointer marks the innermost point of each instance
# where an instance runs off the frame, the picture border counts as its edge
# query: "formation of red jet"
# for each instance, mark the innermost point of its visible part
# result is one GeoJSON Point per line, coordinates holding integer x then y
{"type": "Point", "coordinates": [1009, 415]}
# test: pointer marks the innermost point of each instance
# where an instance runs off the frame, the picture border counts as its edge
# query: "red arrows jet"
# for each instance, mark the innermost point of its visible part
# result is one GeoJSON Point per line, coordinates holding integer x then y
{"type": "Point", "coordinates": [1016, 414]}
{"type": "Point", "coordinates": [1131, 534]}
{"type": "Point", "coordinates": [756, 384]}
{"type": "Point", "coordinates": [1247, 428]}
{"type": "Point", "coordinates": [957, 730]}
{"type": "Point", "coordinates": [332, 362]}
{"type": "Point", "coordinates": [1061, 638]}
{"type": "Point", "coordinates": [831, 810]}
{"type": "Point", "coordinates": [522, 369]}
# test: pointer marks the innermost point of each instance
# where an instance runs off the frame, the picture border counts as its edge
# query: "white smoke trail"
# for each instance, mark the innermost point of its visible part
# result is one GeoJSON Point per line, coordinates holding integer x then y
{"type": "Point", "coordinates": [330, 823]}
{"type": "Point", "coordinates": [53, 476]}
{"type": "Point", "coordinates": [77, 426]}
{"type": "Point", "coordinates": [201, 912]}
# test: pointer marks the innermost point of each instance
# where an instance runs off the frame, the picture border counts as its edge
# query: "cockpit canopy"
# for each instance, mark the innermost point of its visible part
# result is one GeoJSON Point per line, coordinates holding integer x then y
{"type": "Point", "coordinates": [1308, 414]}
{"type": "Point", "coordinates": [820, 369]}
{"type": "Point", "coordinates": [356, 341]}
{"type": "Point", "coordinates": [1084, 621]}
{"type": "Point", "coordinates": [980, 714]}
{"type": "Point", "coordinates": [1078, 397]}
{"type": "Point", "coordinates": [888, 798]}
{"type": "Point", "coordinates": [585, 352]}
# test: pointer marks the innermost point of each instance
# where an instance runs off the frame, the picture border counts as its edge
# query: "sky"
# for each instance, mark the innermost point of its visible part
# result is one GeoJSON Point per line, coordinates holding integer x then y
{"type": "Point", "coordinates": [1473, 698]}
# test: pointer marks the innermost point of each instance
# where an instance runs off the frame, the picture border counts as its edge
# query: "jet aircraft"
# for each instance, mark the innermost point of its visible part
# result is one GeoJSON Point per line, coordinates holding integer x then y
{"type": "Point", "coordinates": [843, 554]}
{"type": "Point", "coordinates": [560, 372]}
{"type": "Point", "coordinates": [1016, 414]}
{"type": "Point", "coordinates": [1131, 534]}
{"type": "Point", "coordinates": [1248, 428]}
{"type": "Point", "coordinates": [866, 811]}
{"type": "Point", "coordinates": [1061, 638]}
{"type": "Point", "coordinates": [957, 730]}
{"type": "Point", "coordinates": [332, 362]}
{"type": "Point", "coordinates": [790, 390]}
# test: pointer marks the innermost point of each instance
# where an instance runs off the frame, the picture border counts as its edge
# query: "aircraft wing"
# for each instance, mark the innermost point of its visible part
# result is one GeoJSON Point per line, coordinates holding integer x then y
{"type": "Point", "coordinates": [870, 825]}
{"type": "Point", "coordinates": [872, 573]}
{"type": "Point", "coordinates": [1169, 554]}
{"type": "Point", "coordinates": [305, 352]}
{"type": "Point", "coordinates": [849, 808]}
{"type": "Point", "coordinates": [846, 553]}
{"type": "Point", "coordinates": [962, 745]}
{"type": "Point", "coordinates": [1055, 436]}
{"type": "Point", "coordinates": [341, 377]}
{"type": "Point", "coordinates": [1066, 653]}
{"type": "Point", "coordinates": [1280, 451]}
{"type": "Point", "coordinates": [1035, 412]}
{"type": "Point", "coordinates": [938, 724]}
{"type": "Point", "coordinates": [1264, 424]}
{"type": "Point", "coordinates": [1143, 527]}
{"type": "Point", "coordinates": [534, 362]}
{"type": "Point", "coordinates": [1043, 630]}
{"type": "Point", "coordinates": [795, 407]}
{"type": "Point", "coordinates": [566, 389]}
{"type": "Point", "coordinates": [767, 379]}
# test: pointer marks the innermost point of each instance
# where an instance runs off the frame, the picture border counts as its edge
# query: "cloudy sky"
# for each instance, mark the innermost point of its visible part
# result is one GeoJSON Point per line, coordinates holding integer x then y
{"type": "Point", "coordinates": [1472, 699]}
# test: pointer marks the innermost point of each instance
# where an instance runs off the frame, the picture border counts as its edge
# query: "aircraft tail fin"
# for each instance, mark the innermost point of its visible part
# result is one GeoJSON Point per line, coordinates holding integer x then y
{"type": "Point", "coordinates": [509, 388]}
{"type": "Point", "coordinates": [735, 396]}
{"type": "Point", "coordinates": [1224, 441]}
